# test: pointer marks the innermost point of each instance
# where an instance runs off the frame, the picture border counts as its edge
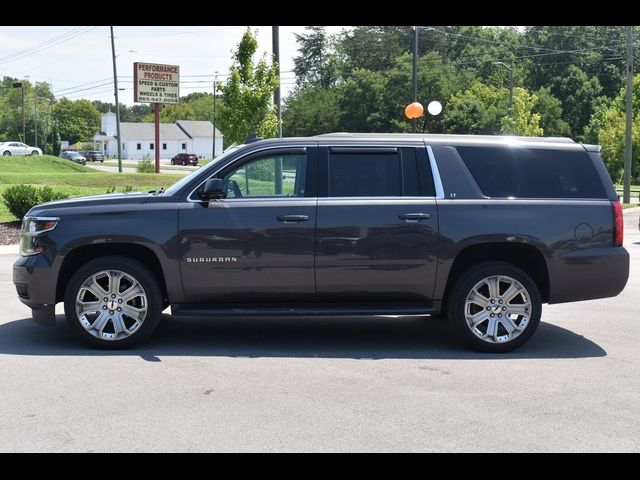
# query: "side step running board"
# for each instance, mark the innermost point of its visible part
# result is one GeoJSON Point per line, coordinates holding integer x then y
{"type": "Point", "coordinates": [257, 311]}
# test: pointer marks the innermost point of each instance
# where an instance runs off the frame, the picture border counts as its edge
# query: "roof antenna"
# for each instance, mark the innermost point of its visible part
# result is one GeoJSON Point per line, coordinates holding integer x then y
{"type": "Point", "coordinates": [254, 137]}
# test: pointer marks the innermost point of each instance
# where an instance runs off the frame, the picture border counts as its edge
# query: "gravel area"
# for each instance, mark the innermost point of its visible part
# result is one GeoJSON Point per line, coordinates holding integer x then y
{"type": "Point", "coordinates": [10, 233]}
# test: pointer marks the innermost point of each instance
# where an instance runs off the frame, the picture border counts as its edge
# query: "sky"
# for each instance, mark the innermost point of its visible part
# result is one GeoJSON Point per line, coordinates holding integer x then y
{"type": "Point", "coordinates": [76, 61]}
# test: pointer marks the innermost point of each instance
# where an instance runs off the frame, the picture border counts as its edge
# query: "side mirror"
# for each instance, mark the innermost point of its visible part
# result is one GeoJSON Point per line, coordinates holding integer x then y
{"type": "Point", "coordinates": [213, 190]}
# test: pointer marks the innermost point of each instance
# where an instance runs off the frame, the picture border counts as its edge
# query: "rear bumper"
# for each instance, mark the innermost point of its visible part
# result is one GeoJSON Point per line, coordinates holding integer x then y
{"type": "Point", "coordinates": [35, 284]}
{"type": "Point", "coordinates": [589, 274]}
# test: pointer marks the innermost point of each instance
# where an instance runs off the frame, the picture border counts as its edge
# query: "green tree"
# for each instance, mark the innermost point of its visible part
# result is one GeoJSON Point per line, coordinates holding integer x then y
{"type": "Point", "coordinates": [37, 98]}
{"type": "Point", "coordinates": [361, 101]}
{"type": "Point", "coordinates": [597, 50]}
{"type": "Point", "coordinates": [607, 128]}
{"type": "Point", "coordinates": [550, 110]}
{"type": "Point", "coordinates": [56, 142]}
{"type": "Point", "coordinates": [372, 48]}
{"type": "Point", "coordinates": [317, 63]}
{"type": "Point", "coordinates": [477, 110]}
{"type": "Point", "coordinates": [311, 110]}
{"type": "Point", "coordinates": [77, 119]}
{"type": "Point", "coordinates": [135, 113]}
{"type": "Point", "coordinates": [522, 120]}
{"type": "Point", "coordinates": [172, 112]}
{"type": "Point", "coordinates": [248, 94]}
{"type": "Point", "coordinates": [580, 95]}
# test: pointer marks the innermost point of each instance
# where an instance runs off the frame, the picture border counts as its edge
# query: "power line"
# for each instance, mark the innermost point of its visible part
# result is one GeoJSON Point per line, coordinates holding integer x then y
{"type": "Point", "coordinates": [178, 33]}
{"type": "Point", "coordinates": [45, 45]}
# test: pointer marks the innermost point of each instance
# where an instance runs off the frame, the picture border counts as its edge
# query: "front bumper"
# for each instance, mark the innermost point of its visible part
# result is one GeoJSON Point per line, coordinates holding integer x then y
{"type": "Point", "coordinates": [35, 283]}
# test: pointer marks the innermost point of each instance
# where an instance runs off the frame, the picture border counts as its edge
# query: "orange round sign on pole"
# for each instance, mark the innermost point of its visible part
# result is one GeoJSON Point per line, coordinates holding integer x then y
{"type": "Point", "coordinates": [414, 110]}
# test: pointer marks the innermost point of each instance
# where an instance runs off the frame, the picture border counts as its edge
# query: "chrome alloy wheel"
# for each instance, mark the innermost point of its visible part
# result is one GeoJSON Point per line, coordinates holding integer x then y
{"type": "Point", "coordinates": [111, 305]}
{"type": "Point", "coordinates": [498, 309]}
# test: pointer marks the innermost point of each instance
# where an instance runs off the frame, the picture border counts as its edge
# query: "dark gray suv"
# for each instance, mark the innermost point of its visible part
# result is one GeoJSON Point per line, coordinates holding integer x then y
{"type": "Point", "coordinates": [483, 230]}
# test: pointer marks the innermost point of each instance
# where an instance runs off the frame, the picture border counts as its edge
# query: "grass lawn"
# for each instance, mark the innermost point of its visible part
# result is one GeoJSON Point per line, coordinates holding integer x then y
{"type": "Point", "coordinates": [70, 178]}
{"type": "Point", "coordinates": [129, 164]}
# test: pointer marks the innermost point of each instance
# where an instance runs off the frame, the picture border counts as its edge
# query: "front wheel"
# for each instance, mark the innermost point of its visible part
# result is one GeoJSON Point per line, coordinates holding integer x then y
{"type": "Point", "coordinates": [7, 153]}
{"type": "Point", "coordinates": [495, 307]}
{"type": "Point", "coordinates": [35, 153]}
{"type": "Point", "coordinates": [113, 302]}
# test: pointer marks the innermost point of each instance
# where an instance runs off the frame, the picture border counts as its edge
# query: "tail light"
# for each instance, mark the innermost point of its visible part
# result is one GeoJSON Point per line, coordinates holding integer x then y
{"type": "Point", "coordinates": [618, 224]}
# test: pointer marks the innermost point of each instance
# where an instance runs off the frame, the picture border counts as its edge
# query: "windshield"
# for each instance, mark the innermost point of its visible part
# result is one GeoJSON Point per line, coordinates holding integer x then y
{"type": "Point", "coordinates": [182, 182]}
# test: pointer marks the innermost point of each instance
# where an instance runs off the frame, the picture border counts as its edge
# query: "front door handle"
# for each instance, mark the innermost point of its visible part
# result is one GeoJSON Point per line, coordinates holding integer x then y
{"type": "Point", "coordinates": [293, 218]}
{"type": "Point", "coordinates": [414, 217]}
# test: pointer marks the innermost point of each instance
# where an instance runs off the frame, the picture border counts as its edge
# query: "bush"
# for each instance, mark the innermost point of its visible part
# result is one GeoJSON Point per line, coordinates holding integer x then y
{"type": "Point", "coordinates": [19, 199]}
{"type": "Point", "coordinates": [125, 189]}
{"type": "Point", "coordinates": [145, 166]}
{"type": "Point", "coordinates": [262, 170]}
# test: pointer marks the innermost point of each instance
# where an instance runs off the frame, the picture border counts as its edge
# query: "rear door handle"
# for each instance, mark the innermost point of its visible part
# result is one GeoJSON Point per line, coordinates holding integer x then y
{"type": "Point", "coordinates": [293, 218]}
{"type": "Point", "coordinates": [414, 217]}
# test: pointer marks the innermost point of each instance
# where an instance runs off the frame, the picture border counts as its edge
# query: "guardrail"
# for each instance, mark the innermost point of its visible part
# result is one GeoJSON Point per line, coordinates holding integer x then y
{"type": "Point", "coordinates": [633, 193]}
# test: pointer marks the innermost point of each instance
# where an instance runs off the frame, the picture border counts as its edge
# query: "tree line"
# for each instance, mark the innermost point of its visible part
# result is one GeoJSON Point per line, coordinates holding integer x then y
{"type": "Point", "coordinates": [562, 81]}
{"type": "Point", "coordinates": [567, 81]}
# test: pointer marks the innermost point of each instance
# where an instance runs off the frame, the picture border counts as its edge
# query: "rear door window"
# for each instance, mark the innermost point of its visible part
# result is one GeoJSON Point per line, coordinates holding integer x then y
{"type": "Point", "coordinates": [532, 173]}
{"type": "Point", "coordinates": [372, 172]}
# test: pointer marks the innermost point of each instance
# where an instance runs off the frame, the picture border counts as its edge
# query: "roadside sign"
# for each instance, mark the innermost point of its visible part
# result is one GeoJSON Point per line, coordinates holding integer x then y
{"type": "Point", "coordinates": [155, 83]}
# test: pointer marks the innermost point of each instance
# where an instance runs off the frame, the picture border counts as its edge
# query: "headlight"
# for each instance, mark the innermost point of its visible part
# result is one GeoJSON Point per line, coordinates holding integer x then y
{"type": "Point", "coordinates": [32, 227]}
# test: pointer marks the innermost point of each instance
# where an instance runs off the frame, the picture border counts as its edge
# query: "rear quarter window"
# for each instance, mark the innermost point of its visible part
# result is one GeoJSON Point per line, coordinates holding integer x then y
{"type": "Point", "coordinates": [532, 173]}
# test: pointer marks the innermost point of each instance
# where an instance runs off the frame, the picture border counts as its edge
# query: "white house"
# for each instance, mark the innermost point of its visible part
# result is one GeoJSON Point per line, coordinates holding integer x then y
{"type": "Point", "coordinates": [138, 139]}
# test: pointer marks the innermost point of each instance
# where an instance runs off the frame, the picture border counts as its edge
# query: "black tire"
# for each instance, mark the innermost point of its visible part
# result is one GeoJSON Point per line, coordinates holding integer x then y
{"type": "Point", "coordinates": [462, 289]}
{"type": "Point", "coordinates": [172, 162]}
{"type": "Point", "coordinates": [35, 153]}
{"type": "Point", "coordinates": [7, 153]}
{"type": "Point", "coordinates": [132, 268]}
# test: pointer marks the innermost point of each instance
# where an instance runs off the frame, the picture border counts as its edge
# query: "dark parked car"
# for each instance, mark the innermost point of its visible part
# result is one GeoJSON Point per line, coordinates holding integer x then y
{"type": "Point", "coordinates": [74, 157]}
{"type": "Point", "coordinates": [93, 155]}
{"type": "Point", "coordinates": [482, 230]}
{"type": "Point", "coordinates": [185, 159]}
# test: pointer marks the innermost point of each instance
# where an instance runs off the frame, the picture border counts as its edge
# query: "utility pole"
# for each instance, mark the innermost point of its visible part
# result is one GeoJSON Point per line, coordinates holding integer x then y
{"type": "Point", "coordinates": [156, 116]}
{"type": "Point", "coordinates": [275, 34]}
{"type": "Point", "coordinates": [115, 90]}
{"type": "Point", "coordinates": [20, 85]}
{"type": "Point", "coordinates": [629, 111]}
{"type": "Point", "coordinates": [35, 121]}
{"type": "Point", "coordinates": [414, 96]}
{"type": "Point", "coordinates": [215, 82]}
{"type": "Point", "coordinates": [510, 67]}
{"type": "Point", "coordinates": [24, 119]}
{"type": "Point", "coordinates": [511, 90]}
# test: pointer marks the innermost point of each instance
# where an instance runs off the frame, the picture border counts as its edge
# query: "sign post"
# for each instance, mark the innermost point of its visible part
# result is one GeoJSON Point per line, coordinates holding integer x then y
{"type": "Point", "coordinates": [156, 116]}
{"type": "Point", "coordinates": [155, 83]}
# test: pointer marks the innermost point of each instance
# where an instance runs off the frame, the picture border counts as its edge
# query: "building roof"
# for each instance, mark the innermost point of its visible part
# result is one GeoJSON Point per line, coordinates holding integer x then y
{"type": "Point", "coordinates": [198, 128]}
{"type": "Point", "coordinates": [144, 131]}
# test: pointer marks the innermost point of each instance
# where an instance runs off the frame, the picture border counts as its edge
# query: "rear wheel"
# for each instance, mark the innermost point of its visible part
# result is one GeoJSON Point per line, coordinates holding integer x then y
{"type": "Point", "coordinates": [495, 307]}
{"type": "Point", "coordinates": [113, 302]}
{"type": "Point", "coordinates": [7, 153]}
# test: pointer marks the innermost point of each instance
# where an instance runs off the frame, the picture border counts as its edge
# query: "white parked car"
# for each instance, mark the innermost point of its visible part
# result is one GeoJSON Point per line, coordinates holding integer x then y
{"type": "Point", "coordinates": [18, 148]}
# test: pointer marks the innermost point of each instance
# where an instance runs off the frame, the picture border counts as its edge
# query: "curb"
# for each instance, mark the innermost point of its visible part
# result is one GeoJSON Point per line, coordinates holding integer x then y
{"type": "Point", "coordinates": [10, 249]}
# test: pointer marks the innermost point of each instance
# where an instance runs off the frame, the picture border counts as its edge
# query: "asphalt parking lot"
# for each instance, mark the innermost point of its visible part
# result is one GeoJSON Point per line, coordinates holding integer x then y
{"type": "Point", "coordinates": [317, 384]}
